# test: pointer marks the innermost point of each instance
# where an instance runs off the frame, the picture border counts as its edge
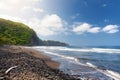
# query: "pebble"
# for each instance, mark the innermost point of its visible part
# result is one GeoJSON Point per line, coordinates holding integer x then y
{"type": "Point", "coordinates": [28, 68]}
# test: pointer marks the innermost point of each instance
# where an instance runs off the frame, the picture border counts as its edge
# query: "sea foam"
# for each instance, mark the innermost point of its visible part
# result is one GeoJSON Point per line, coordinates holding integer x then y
{"type": "Point", "coordinates": [109, 73]}
{"type": "Point", "coordinates": [63, 56]}
{"type": "Point", "coordinates": [97, 50]}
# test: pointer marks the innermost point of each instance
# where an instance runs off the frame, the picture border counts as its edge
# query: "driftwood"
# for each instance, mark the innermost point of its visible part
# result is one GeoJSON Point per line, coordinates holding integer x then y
{"type": "Point", "coordinates": [8, 70]}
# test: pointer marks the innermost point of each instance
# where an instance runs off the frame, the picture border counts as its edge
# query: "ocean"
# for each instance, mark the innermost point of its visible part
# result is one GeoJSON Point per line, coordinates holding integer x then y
{"type": "Point", "coordinates": [100, 63]}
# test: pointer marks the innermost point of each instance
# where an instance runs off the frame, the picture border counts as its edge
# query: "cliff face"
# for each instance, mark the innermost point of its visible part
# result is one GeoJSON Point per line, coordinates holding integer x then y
{"type": "Point", "coordinates": [35, 41]}
{"type": "Point", "coordinates": [55, 43]}
{"type": "Point", "coordinates": [15, 33]}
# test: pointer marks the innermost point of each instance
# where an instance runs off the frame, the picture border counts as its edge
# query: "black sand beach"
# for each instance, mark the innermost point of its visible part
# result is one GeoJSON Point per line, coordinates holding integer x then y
{"type": "Point", "coordinates": [18, 63]}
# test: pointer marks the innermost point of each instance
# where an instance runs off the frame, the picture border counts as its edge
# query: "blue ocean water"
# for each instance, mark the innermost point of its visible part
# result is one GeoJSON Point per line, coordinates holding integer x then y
{"type": "Point", "coordinates": [93, 62]}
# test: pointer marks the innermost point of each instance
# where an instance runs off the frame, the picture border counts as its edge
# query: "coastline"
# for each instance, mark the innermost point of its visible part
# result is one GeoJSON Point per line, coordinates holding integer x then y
{"type": "Point", "coordinates": [19, 63]}
{"type": "Point", "coordinates": [38, 54]}
{"type": "Point", "coordinates": [71, 66]}
{"type": "Point", "coordinates": [22, 63]}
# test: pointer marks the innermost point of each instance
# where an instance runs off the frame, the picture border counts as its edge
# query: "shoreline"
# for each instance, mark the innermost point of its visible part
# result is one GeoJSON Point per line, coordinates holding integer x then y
{"type": "Point", "coordinates": [51, 63]}
{"type": "Point", "coordinates": [37, 60]}
{"type": "Point", "coordinates": [35, 53]}
{"type": "Point", "coordinates": [20, 63]}
{"type": "Point", "coordinates": [84, 69]}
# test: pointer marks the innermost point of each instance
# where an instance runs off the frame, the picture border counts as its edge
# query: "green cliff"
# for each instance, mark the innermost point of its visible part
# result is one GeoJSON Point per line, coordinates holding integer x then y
{"type": "Point", "coordinates": [15, 33]}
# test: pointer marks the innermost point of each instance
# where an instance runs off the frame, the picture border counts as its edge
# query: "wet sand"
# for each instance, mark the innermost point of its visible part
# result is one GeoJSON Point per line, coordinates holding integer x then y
{"type": "Point", "coordinates": [38, 54]}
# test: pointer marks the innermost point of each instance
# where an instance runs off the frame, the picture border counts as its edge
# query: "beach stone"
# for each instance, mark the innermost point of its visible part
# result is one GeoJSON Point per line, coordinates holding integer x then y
{"type": "Point", "coordinates": [28, 67]}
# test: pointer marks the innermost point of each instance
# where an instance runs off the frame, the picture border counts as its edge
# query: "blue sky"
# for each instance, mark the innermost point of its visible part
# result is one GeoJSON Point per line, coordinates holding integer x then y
{"type": "Point", "coordinates": [77, 22]}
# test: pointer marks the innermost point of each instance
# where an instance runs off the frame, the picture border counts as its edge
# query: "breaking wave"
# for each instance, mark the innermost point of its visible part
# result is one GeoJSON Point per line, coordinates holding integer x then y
{"type": "Point", "coordinates": [97, 50]}
{"type": "Point", "coordinates": [109, 73]}
{"type": "Point", "coordinates": [63, 56]}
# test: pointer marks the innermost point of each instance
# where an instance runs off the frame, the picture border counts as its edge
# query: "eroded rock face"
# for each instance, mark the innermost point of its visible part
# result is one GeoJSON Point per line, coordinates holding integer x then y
{"type": "Point", "coordinates": [35, 41]}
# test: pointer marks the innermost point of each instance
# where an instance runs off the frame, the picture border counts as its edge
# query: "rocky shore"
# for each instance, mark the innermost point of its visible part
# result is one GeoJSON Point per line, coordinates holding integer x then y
{"type": "Point", "coordinates": [17, 63]}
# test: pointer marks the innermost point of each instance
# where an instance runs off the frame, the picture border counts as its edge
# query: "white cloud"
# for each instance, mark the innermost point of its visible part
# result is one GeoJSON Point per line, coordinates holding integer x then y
{"type": "Point", "coordinates": [111, 29]}
{"type": "Point", "coordinates": [38, 10]}
{"type": "Point", "coordinates": [94, 30]}
{"type": "Point", "coordinates": [14, 4]}
{"type": "Point", "coordinates": [81, 28]}
{"type": "Point", "coordinates": [85, 27]}
{"type": "Point", "coordinates": [52, 21]}
{"type": "Point", "coordinates": [19, 9]}
{"type": "Point", "coordinates": [48, 25]}
{"type": "Point", "coordinates": [37, 0]}
{"type": "Point", "coordinates": [11, 18]}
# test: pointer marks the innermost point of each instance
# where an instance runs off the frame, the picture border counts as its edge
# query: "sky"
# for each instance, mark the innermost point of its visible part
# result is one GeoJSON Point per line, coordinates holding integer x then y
{"type": "Point", "coordinates": [76, 22]}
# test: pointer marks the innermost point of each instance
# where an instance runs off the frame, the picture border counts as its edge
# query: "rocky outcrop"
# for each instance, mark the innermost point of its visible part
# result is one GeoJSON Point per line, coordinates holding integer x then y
{"type": "Point", "coordinates": [35, 41]}
{"type": "Point", "coordinates": [55, 43]}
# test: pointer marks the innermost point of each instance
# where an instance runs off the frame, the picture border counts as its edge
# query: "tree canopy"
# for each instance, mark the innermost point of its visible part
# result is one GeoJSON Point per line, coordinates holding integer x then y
{"type": "Point", "coordinates": [14, 33]}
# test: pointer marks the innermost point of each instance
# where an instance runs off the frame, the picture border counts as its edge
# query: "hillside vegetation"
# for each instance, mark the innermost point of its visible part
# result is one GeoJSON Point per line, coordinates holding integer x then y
{"type": "Point", "coordinates": [54, 43]}
{"type": "Point", "coordinates": [15, 33]}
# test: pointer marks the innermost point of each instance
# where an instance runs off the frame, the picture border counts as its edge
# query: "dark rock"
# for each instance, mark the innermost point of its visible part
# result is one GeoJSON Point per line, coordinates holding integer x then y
{"type": "Point", "coordinates": [28, 68]}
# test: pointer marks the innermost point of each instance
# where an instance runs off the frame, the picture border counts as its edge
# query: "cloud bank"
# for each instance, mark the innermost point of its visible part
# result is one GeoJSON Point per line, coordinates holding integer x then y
{"type": "Point", "coordinates": [111, 29]}
{"type": "Point", "coordinates": [48, 25]}
{"type": "Point", "coordinates": [86, 27]}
